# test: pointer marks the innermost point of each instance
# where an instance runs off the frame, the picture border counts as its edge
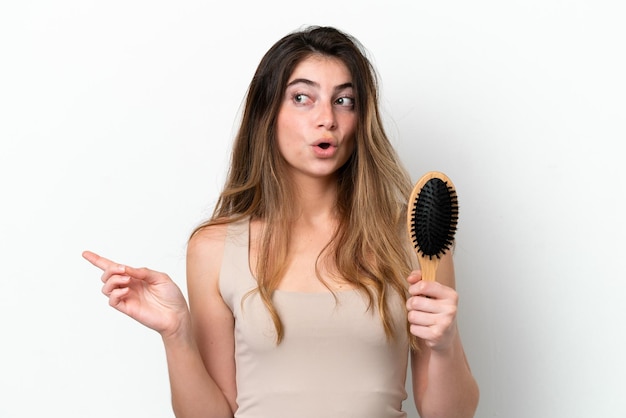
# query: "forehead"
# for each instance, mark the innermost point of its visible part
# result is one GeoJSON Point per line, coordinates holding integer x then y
{"type": "Point", "coordinates": [318, 68]}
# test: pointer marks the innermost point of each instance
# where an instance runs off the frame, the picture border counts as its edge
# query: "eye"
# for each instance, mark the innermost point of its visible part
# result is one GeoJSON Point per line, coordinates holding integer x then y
{"type": "Point", "coordinates": [300, 98]}
{"type": "Point", "coordinates": [345, 101]}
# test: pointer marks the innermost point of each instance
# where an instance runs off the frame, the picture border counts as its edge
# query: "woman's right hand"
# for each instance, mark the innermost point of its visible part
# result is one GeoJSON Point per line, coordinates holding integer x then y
{"type": "Point", "coordinates": [148, 296]}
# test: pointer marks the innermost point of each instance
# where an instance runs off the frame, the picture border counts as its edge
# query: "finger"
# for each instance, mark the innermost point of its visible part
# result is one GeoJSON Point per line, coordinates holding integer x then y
{"type": "Point", "coordinates": [431, 335]}
{"type": "Point", "coordinates": [420, 287]}
{"type": "Point", "coordinates": [433, 290]}
{"type": "Point", "coordinates": [98, 261]}
{"type": "Point", "coordinates": [422, 319]}
{"type": "Point", "coordinates": [423, 304]}
{"type": "Point", "coordinates": [116, 298]}
{"type": "Point", "coordinates": [115, 282]}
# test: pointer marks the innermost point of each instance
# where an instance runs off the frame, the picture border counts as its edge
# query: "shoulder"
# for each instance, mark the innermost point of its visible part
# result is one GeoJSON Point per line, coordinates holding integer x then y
{"type": "Point", "coordinates": [206, 239]}
{"type": "Point", "coordinates": [205, 250]}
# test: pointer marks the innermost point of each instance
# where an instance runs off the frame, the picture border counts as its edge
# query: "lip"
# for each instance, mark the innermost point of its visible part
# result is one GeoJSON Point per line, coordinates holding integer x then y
{"type": "Point", "coordinates": [331, 141]}
{"type": "Point", "coordinates": [325, 148]}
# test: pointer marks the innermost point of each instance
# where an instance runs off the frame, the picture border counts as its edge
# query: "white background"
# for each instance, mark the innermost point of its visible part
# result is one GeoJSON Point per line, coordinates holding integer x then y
{"type": "Point", "coordinates": [116, 120]}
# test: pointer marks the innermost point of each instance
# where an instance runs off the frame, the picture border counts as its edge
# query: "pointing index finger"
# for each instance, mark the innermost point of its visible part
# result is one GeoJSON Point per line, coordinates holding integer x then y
{"type": "Point", "coordinates": [98, 261]}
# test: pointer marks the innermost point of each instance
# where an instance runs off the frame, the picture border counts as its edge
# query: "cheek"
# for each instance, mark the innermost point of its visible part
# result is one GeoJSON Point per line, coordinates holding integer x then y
{"type": "Point", "coordinates": [288, 136]}
{"type": "Point", "coordinates": [349, 125]}
{"type": "Point", "coordinates": [288, 125]}
{"type": "Point", "coordinates": [280, 124]}
{"type": "Point", "coordinates": [348, 121]}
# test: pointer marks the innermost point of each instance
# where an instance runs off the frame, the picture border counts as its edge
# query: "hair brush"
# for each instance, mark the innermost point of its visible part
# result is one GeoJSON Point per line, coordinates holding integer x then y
{"type": "Point", "coordinates": [432, 217]}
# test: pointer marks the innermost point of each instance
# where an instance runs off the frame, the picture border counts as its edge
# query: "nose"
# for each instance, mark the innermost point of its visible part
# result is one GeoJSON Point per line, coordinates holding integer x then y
{"type": "Point", "coordinates": [326, 116]}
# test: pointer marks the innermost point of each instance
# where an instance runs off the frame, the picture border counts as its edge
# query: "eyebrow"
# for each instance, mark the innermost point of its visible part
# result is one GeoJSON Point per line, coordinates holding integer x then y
{"type": "Point", "coordinates": [314, 84]}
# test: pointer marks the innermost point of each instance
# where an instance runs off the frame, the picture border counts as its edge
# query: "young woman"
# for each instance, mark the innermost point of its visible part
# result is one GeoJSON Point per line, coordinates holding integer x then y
{"type": "Point", "coordinates": [305, 299]}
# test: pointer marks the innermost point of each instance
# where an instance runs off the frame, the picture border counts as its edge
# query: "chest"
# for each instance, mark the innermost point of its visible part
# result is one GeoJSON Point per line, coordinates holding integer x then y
{"type": "Point", "coordinates": [316, 322]}
{"type": "Point", "coordinates": [309, 264]}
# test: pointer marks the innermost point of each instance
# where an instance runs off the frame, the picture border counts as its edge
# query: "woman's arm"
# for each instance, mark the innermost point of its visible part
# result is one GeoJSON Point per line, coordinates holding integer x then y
{"type": "Point", "coordinates": [212, 327]}
{"type": "Point", "coordinates": [199, 342]}
{"type": "Point", "coordinates": [443, 385]}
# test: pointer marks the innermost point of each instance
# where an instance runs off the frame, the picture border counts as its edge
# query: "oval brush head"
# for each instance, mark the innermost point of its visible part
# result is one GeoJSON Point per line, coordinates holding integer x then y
{"type": "Point", "coordinates": [432, 217]}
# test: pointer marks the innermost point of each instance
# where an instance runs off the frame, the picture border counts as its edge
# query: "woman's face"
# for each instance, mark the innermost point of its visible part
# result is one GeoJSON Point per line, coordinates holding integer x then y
{"type": "Point", "coordinates": [316, 120]}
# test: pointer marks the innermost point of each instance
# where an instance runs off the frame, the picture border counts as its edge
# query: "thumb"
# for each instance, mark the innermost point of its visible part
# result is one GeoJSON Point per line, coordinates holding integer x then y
{"type": "Point", "coordinates": [414, 277]}
{"type": "Point", "coordinates": [145, 274]}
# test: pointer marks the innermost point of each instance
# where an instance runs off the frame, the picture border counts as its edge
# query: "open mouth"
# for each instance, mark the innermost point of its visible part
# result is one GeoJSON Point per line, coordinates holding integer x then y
{"type": "Point", "coordinates": [324, 145]}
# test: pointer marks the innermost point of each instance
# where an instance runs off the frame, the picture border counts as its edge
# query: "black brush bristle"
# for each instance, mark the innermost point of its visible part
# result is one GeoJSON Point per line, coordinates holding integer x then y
{"type": "Point", "coordinates": [434, 218]}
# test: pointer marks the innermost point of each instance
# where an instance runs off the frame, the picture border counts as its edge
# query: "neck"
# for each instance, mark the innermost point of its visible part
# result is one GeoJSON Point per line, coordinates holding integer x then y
{"type": "Point", "coordinates": [316, 199]}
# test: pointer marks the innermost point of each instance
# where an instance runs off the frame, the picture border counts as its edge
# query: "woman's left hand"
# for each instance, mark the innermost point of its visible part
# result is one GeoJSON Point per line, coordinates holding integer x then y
{"type": "Point", "coordinates": [432, 310]}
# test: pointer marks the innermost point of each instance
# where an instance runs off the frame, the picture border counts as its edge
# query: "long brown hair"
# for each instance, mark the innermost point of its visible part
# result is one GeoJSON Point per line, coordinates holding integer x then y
{"type": "Point", "coordinates": [372, 186]}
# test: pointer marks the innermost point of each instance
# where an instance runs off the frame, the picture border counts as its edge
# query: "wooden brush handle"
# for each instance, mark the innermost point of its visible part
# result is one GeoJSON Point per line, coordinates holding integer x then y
{"type": "Point", "coordinates": [428, 267]}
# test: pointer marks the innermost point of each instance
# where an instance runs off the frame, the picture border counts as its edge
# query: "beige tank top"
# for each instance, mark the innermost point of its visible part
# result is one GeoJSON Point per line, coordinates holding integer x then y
{"type": "Point", "coordinates": [335, 360]}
